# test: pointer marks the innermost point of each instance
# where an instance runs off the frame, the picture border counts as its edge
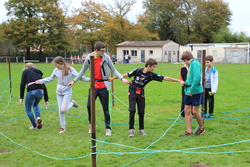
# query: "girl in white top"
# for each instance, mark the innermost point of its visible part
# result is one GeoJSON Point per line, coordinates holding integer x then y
{"type": "Point", "coordinates": [64, 73]}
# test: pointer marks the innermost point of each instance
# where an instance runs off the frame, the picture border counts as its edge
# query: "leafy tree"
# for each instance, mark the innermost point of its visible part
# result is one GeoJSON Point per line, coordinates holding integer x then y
{"type": "Point", "coordinates": [209, 18]}
{"type": "Point", "coordinates": [119, 28]}
{"type": "Point", "coordinates": [37, 25]}
{"type": "Point", "coordinates": [186, 21]}
{"type": "Point", "coordinates": [94, 22]}
{"type": "Point", "coordinates": [6, 46]}
{"type": "Point", "coordinates": [87, 21]}
{"type": "Point", "coordinates": [226, 36]}
{"type": "Point", "coordinates": [163, 18]}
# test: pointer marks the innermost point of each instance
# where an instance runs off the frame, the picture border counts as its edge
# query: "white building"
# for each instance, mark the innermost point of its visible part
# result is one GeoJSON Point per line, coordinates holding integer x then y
{"type": "Point", "coordinates": [221, 52]}
{"type": "Point", "coordinates": [169, 51]}
{"type": "Point", "coordinates": [140, 51]}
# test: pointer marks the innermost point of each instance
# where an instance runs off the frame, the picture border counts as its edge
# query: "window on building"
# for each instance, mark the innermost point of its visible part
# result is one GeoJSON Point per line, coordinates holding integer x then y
{"type": "Point", "coordinates": [214, 53]}
{"type": "Point", "coordinates": [235, 53]}
{"type": "Point", "coordinates": [151, 52]}
{"type": "Point", "coordinates": [125, 52]}
{"type": "Point", "coordinates": [133, 52]}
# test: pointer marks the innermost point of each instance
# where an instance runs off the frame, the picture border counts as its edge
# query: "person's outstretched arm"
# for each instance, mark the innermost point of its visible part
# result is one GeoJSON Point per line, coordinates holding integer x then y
{"type": "Point", "coordinates": [80, 76]}
{"type": "Point", "coordinates": [113, 78]}
{"type": "Point", "coordinates": [48, 79]}
{"type": "Point", "coordinates": [174, 80]}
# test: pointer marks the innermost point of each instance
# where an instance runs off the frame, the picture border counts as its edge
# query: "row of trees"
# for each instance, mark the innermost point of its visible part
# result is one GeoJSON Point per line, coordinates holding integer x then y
{"type": "Point", "coordinates": [47, 26]}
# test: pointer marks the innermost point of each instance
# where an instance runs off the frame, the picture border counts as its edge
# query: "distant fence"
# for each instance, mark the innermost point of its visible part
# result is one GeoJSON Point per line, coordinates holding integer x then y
{"type": "Point", "coordinates": [13, 59]}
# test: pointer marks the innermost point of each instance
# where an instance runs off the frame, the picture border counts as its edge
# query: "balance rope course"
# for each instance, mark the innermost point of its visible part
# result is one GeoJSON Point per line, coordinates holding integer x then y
{"type": "Point", "coordinates": [147, 150]}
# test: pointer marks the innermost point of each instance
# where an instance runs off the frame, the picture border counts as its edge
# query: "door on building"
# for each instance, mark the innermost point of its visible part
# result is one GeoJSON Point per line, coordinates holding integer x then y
{"type": "Point", "coordinates": [199, 55]}
{"type": "Point", "coordinates": [142, 56]}
{"type": "Point", "coordinates": [178, 56]}
{"type": "Point", "coordinates": [169, 56]}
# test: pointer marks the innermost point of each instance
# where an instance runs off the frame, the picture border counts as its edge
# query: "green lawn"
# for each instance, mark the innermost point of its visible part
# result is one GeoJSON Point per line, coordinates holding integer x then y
{"type": "Point", "coordinates": [224, 144]}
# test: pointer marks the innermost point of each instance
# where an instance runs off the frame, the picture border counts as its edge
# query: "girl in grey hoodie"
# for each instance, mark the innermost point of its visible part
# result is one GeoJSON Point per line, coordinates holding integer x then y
{"type": "Point", "coordinates": [64, 73]}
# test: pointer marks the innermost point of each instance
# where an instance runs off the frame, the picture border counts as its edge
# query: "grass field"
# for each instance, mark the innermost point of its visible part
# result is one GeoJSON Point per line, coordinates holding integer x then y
{"type": "Point", "coordinates": [224, 144]}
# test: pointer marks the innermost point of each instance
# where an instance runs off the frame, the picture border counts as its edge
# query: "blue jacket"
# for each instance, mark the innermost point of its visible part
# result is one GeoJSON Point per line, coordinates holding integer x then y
{"type": "Point", "coordinates": [214, 79]}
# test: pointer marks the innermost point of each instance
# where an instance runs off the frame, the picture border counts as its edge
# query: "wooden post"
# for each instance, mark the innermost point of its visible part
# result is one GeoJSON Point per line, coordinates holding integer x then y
{"type": "Point", "coordinates": [112, 85]}
{"type": "Point", "coordinates": [203, 79]}
{"type": "Point", "coordinates": [10, 78]}
{"type": "Point", "coordinates": [92, 110]}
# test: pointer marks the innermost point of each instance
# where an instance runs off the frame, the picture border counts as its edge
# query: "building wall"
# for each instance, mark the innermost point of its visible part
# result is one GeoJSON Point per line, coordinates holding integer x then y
{"type": "Point", "coordinates": [235, 56]}
{"type": "Point", "coordinates": [157, 52]}
{"type": "Point", "coordinates": [167, 53]}
{"type": "Point", "coordinates": [170, 52]}
{"type": "Point", "coordinates": [218, 53]}
{"type": "Point", "coordinates": [221, 53]}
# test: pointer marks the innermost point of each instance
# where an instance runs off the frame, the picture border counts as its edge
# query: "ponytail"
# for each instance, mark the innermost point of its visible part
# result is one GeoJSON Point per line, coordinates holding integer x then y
{"type": "Point", "coordinates": [65, 66]}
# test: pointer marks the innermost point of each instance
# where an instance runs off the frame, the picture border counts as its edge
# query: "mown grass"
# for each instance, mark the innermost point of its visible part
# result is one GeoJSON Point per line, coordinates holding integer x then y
{"type": "Point", "coordinates": [226, 135]}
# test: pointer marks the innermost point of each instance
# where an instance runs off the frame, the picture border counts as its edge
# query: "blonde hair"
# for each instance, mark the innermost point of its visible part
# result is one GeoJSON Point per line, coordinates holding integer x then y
{"type": "Point", "coordinates": [65, 66]}
{"type": "Point", "coordinates": [29, 65]}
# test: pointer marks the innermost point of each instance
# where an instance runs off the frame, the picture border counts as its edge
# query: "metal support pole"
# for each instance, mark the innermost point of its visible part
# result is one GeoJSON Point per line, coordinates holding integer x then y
{"type": "Point", "coordinates": [10, 78]}
{"type": "Point", "coordinates": [203, 79]}
{"type": "Point", "coordinates": [92, 110]}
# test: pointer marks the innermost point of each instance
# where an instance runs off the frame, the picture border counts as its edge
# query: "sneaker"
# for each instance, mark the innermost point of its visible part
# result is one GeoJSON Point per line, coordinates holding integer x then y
{"type": "Point", "coordinates": [199, 131]}
{"type": "Point", "coordinates": [142, 132]}
{"type": "Point", "coordinates": [108, 132]}
{"type": "Point", "coordinates": [39, 123]}
{"type": "Point", "coordinates": [74, 103]}
{"type": "Point", "coordinates": [210, 117]}
{"type": "Point", "coordinates": [131, 133]}
{"type": "Point", "coordinates": [186, 134]}
{"type": "Point", "coordinates": [33, 128]}
{"type": "Point", "coordinates": [90, 128]}
{"type": "Point", "coordinates": [62, 130]}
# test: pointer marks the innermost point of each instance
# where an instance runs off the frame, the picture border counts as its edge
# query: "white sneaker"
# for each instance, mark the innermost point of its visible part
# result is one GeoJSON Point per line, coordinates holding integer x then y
{"type": "Point", "coordinates": [33, 128]}
{"type": "Point", "coordinates": [74, 103]}
{"type": "Point", "coordinates": [39, 123]}
{"type": "Point", "coordinates": [108, 132]}
{"type": "Point", "coordinates": [131, 133]}
{"type": "Point", "coordinates": [142, 132]}
{"type": "Point", "coordinates": [90, 128]}
{"type": "Point", "coordinates": [62, 130]}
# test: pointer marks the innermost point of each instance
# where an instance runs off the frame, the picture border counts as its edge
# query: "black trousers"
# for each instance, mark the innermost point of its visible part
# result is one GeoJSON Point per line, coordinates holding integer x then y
{"type": "Point", "coordinates": [210, 100]}
{"type": "Point", "coordinates": [140, 101]}
{"type": "Point", "coordinates": [182, 102]}
{"type": "Point", "coordinates": [104, 99]}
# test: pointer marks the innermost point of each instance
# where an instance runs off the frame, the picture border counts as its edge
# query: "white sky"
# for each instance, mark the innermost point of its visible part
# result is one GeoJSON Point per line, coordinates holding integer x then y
{"type": "Point", "coordinates": [240, 8]}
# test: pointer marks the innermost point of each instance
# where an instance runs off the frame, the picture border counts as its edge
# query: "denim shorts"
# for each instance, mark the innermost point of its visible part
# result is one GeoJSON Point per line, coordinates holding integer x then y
{"type": "Point", "coordinates": [195, 100]}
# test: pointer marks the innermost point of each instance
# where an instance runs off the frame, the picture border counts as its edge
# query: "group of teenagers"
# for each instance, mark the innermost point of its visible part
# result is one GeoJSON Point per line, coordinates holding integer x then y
{"type": "Point", "coordinates": [103, 65]}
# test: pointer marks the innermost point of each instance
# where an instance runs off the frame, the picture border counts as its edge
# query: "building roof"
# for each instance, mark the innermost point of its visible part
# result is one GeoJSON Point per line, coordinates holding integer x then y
{"type": "Point", "coordinates": [143, 43]}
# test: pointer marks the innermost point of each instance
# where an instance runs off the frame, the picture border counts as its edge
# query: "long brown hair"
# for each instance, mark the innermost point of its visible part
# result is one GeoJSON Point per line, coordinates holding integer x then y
{"type": "Point", "coordinates": [65, 66]}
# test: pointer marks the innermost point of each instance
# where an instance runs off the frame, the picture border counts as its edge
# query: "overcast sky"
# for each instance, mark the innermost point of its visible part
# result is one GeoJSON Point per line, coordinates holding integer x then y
{"type": "Point", "coordinates": [240, 8]}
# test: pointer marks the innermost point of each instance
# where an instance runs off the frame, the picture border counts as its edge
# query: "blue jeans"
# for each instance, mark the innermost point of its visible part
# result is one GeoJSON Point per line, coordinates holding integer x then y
{"type": "Point", "coordinates": [32, 99]}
